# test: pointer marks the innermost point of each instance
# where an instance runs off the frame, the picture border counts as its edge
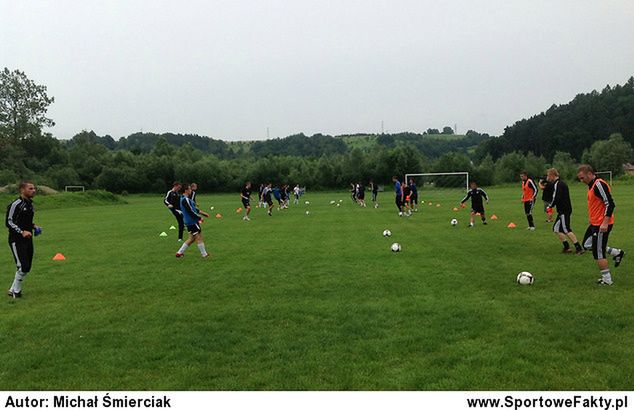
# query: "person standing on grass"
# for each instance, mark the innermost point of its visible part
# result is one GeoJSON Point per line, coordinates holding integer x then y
{"type": "Point", "coordinates": [19, 221]}
{"type": "Point", "coordinates": [172, 201]}
{"type": "Point", "coordinates": [194, 187]}
{"type": "Point", "coordinates": [547, 197]}
{"type": "Point", "coordinates": [375, 193]}
{"type": "Point", "coordinates": [398, 195]}
{"type": "Point", "coordinates": [260, 197]}
{"type": "Point", "coordinates": [266, 198]}
{"type": "Point", "coordinates": [529, 193]}
{"type": "Point", "coordinates": [296, 193]}
{"type": "Point", "coordinates": [561, 200]}
{"type": "Point", "coordinates": [245, 196]}
{"type": "Point", "coordinates": [361, 194]}
{"type": "Point", "coordinates": [192, 217]}
{"type": "Point", "coordinates": [477, 207]}
{"type": "Point", "coordinates": [601, 212]}
{"type": "Point", "coordinates": [413, 195]}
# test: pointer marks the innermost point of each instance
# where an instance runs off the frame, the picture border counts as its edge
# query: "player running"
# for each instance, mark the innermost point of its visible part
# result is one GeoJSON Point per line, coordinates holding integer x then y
{"type": "Point", "coordinates": [529, 193]}
{"type": "Point", "coordinates": [245, 196]}
{"type": "Point", "coordinates": [601, 211]}
{"type": "Point", "coordinates": [477, 207]}
{"type": "Point", "coordinates": [19, 221]}
{"type": "Point", "coordinates": [561, 200]}
{"type": "Point", "coordinates": [192, 217]}
{"type": "Point", "coordinates": [172, 201]}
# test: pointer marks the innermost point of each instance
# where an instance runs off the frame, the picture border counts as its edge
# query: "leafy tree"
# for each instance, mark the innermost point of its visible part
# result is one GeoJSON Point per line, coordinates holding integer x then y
{"type": "Point", "coordinates": [23, 106]}
{"type": "Point", "coordinates": [447, 131]}
{"type": "Point", "coordinates": [609, 155]}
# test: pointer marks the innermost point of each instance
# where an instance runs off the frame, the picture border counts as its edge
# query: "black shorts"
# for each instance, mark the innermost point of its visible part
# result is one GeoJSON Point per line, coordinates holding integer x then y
{"type": "Point", "coordinates": [562, 224]}
{"type": "Point", "coordinates": [528, 207]}
{"type": "Point", "coordinates": [269, 202]}
{"type": "Point", "coordinates": [22, 251]}
{"type": "Point", "coordinates": [361, 196]}
{"type": "Point", "coordinates": [414, 199]}
{"type": "Point", "coordinates": [477, 209]}
{"type": "Point", "coordinates": [597, 241]}
{"type": "Point", "coordinates": [246, 202]}
{"type": "Point", "coordinates": [194, 229]}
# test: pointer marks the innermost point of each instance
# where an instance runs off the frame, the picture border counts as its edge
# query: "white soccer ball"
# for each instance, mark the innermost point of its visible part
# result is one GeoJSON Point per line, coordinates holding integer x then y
{"type": "Point", "coordinates": [307, 212]}
{"type": "Point", "coordinates": [396, 247]}
{"type": "Point", "coordinates": [387, 233]}
{"type": "Point", "coordinates": [307, 203]}
{"type": "Point", "coordinates": [525, 278]}
{"type": "Point", "coordinates": [338, 205]}
{"type": "Point", "coordinates": [454, 222]}
{"type": "Point", "coordinates": [332, 202]}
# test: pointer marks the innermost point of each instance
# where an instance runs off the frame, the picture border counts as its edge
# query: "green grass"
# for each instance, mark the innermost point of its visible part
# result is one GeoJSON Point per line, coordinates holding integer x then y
{"type": "Point", "coordinates": [317, 301]}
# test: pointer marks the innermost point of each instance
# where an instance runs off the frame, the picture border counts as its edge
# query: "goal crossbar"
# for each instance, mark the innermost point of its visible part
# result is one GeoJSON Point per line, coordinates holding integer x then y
{"type": "Point", "coordinates": [424, 174]}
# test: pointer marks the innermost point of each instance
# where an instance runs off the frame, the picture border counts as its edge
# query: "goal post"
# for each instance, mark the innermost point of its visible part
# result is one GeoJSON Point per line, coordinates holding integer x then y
{"type": "Point", "coordinates": [436, 178]}
{"type": "Point", "coordinates": [74, 188]}
{"type": "Point", "coordinates": [605, 175]}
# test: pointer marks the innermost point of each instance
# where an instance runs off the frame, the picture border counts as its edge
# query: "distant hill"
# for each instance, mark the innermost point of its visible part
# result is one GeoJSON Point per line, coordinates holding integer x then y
{"type": "Point", "coordinates": [570, 127]}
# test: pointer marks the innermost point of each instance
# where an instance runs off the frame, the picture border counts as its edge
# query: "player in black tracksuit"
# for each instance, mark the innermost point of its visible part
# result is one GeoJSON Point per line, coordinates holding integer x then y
{"type": "Point", "coordinates": [172, 202]}
{"type": "Point", "coordinates": [19, 221]}
{"type": "Point", "coordinates": [547, 196]}
{"type": "Point", "coordinates": [477, 207]}
{"type": "Point", "coordinates": [561, 200]}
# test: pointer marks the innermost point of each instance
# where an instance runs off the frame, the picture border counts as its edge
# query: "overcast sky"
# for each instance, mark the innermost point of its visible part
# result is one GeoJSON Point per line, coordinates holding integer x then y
{"type": "Point", "coordinates": [230, 69]}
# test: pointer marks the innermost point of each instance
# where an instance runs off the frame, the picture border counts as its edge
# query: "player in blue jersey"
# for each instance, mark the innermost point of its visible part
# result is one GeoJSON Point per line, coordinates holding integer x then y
{"type": "Point", "coordinates": [398, 195]}
{"type": "Point", "coordinates": [191, 218]}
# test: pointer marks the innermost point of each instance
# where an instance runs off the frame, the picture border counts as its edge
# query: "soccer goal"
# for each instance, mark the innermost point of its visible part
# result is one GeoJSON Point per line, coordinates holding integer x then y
{"type": "Point", "coordinates": [440, 187]}
{"type": "Point", "coordinates": [74, 188]}
{"type": "Point", "coordinates": [605, 175]}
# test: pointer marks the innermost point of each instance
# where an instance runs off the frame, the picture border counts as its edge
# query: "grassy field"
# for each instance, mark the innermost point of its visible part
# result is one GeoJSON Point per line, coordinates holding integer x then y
{"type": "Point", "coordinates": [317, 301]}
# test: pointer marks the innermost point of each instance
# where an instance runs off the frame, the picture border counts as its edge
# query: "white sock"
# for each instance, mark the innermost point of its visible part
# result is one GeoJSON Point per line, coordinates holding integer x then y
{"type": "Point", "coordinates": [183, 248]}
{"type": "Point", "coordinates": [613, 251]}
{"type": "Point", "coordinates": [607, 278]}
{"type": "Point", "coordinates": [201, 248]}
{"type": "Point", "coordinates": [17, 282]}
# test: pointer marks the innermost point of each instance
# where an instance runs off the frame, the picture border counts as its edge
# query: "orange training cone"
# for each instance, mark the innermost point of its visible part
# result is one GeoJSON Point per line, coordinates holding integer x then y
{"type": "Point", "coordinates": [512, 225]}
{"type": "Point", "coordinates": [59, 257]}
{"type": "Point", "coordinates": [238, 210]}
{"type": "Point", "coordinates": [218, 216]}
{"type": "Point", "coordinates": [494, 217]}
{"type": "Point", "coordinates": [455, 209]}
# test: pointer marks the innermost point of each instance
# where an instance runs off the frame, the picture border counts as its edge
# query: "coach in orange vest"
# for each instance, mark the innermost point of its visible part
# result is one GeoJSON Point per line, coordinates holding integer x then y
{"type": "Point", "coordinates": [601, 212]}
{"type": "Point", "coordinates": [529, 193]}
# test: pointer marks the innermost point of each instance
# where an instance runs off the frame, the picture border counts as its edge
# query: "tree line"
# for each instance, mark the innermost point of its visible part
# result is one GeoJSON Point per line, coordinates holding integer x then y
{"type": "Point", "coordinates": [148, 162]}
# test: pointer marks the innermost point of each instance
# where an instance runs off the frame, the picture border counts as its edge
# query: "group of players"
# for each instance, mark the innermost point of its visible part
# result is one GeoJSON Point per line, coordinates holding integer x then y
{"type": "Point", "coordinates": [181, 201]}
{"type": "Point", "coordinates": [556, 195]}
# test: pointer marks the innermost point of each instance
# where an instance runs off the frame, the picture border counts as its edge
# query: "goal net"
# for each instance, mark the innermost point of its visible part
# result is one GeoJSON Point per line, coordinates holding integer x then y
{"type": "Point", "coordinates": [440, 187]}
{"type": "Point", "coordinates": [74, 188]}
